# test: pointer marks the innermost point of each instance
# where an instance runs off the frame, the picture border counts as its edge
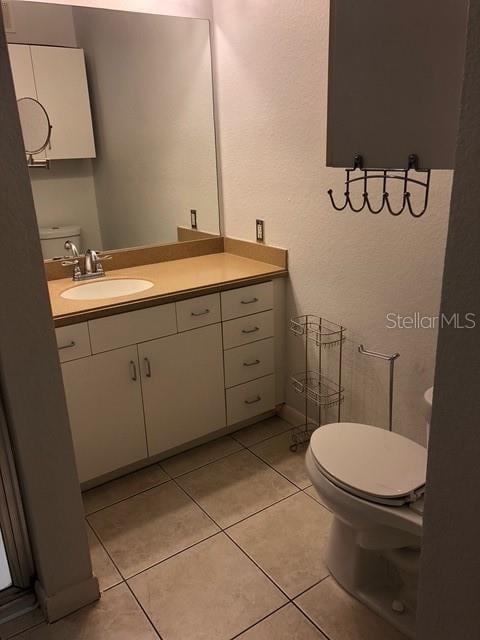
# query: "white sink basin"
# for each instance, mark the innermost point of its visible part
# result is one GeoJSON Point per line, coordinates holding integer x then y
{"type": "Point", "coordinates": [99, 289]}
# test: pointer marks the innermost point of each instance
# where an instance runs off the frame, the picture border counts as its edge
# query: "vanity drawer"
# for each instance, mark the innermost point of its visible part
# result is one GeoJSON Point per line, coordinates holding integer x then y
{"type": "Point", "coordinates": [198, 312]}
{"type": "Point", "coordinates": [124, 329]}
{"type": "Point", "coordinates": [250, 399]}
{"type": "Point", "coordinates": [244, 330]}
{"type": "Point", "coordinates": [247, 300]}
{"type": "Point", "coordinates": [73, 342]}
{"type": "Point", "coordinates": [246, 363]}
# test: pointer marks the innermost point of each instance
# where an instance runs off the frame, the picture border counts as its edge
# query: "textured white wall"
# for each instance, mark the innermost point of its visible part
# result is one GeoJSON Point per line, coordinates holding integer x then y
{"type": "Point", "coordinates": [271, 89]}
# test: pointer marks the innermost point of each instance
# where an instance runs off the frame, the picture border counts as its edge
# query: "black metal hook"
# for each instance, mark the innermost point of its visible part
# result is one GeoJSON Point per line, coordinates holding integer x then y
{"type": "Point", "coordinates": [385, 175]}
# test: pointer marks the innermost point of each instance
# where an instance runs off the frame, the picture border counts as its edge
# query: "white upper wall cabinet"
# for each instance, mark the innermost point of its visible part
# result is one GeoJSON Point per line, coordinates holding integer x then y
{"type": "Point", "coordinates": [395, 78]}
{"type": "Point", "coordinates": [56, 77]}
{"type": "Point", "coordinates": [22, 70]}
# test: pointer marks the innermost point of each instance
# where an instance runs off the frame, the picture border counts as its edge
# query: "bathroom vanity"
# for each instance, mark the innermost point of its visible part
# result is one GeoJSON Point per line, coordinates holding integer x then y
{"type": "Point", "coordinates": [201, 356]}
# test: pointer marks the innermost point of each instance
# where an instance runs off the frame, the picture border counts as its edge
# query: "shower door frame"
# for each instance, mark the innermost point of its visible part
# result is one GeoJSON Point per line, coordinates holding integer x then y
{"type": "Point", "coordinates": [12, 521]}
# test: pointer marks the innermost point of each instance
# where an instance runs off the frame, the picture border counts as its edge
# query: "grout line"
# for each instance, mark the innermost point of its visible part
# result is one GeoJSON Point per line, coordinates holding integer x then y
{"type": "Point", "coordinates": [275, 469]}
{"type": "Point", "coordinates": [275, 435]}
{"type": "Point", "coordinates": [173, 555]}
{"type": "Point", "coordinates": [315, 624]}
{"type": "Point", "coordinates": [237, 635]}
{"type": "Point", "coordinates": [315, 584]}
{"type": "Point", "coordinates": [137, 493]}
{"type": "Point", "coordinates": [124, 581]}
{"type": "Point", "coordinates": [144, 612]}
{"type": "Point", "coordinates": [255, 513]}
{"type": "Point", "coordinates": [315, 499]}
{"type": "Point", "coordinates": [202, 466]}
{"type": "Point", "coordinates": [258, 566]}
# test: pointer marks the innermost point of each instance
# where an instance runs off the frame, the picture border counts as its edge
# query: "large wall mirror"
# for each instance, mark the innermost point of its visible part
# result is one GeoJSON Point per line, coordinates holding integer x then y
{"type": "Point", "coordinates": [129, 98]}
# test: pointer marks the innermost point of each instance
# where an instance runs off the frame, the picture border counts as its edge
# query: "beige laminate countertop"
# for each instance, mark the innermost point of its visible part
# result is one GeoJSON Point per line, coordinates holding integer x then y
{"type": "Point", "coordinates": [172, 280]}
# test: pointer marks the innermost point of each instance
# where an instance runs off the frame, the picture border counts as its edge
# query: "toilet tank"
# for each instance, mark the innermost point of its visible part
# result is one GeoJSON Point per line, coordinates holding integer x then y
{"type": "Point", "coordinates": [53, 240]}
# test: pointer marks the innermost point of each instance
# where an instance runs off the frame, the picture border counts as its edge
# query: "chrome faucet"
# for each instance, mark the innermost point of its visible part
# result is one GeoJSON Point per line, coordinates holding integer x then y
{"type": "Point", "coordinates": [93, 267]}
{"type": "Point", "coordinates": [92, 263]}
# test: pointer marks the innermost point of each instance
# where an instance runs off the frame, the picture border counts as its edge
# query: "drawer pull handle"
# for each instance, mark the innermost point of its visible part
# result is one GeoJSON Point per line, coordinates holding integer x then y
{"type": "Point", "coordinates": [253, 330]}
{"type": "Point", "coordinates": [256, 399]}
{"type": "Point", "coordinates": [67, 346]}
{"type": "Point", "coordinates": [133, 370]}
{"type": "Point", "coordinates": [252, 363]}
{"type": "Point", "coordinates": [249, 301]}
{"type": "Point", "coordinates": [148, 368]}
{"type": "Point", "coordinates": [195, 314]}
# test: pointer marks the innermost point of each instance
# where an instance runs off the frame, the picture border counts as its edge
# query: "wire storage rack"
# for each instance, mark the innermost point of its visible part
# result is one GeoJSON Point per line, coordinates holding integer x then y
{"type": "Point", "coordinates": [323, 350]}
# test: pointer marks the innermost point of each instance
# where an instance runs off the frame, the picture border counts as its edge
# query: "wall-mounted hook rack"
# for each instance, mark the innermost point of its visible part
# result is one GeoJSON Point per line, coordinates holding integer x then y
{"type": "Point", "coordinates": [385, 175]}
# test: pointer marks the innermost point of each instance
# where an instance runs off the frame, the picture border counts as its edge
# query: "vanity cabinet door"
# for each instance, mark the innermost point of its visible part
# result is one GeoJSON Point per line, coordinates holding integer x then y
{"type": "Point", "coordinates": [104, 400]}
{"type": "Point", "coordinates": [183, 387]}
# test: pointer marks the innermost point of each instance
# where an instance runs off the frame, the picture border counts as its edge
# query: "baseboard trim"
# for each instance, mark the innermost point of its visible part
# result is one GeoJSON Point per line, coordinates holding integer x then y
{"type": "Point", "coordinates": [69, 600]}
{"type": "Point", "coordinates": [290, 415]}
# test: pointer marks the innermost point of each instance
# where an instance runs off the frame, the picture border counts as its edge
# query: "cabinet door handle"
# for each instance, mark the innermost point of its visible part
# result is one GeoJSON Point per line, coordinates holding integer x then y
{"type": "Point", "coordinates": [148, 368]}
{"type": "Point", "coordinates": [200, 313]}
{"type": "Point", "coordinates": [253, 330]}
{"type": "Point", "coordinates": [67, 346]}
{"type": "Point", "coordinates": [133, 370]}
{"type": "Point", "coordinates": [254, 400]}
{"type": "Point", "coordinates": [249, 301]}
{"type": "Point", "coordinates": [252, 363]}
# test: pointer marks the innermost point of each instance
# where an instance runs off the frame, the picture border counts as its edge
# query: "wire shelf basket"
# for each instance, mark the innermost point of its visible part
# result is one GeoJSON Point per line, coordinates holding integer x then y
{"type": "Point", "coordinates": [321, 332]}
{"type": "Point", "coordinates": [319, 391]}
{"type": "Point", "coordinates": [317, 388]}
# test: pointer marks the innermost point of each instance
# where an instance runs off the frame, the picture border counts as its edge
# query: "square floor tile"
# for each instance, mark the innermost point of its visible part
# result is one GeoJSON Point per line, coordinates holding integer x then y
{"type": "Point", "coordinates": [150, 527]}
{"type": "Point", "coordinates": [103, 567]}
{"type": "Point", "coordinates": [288, 542]}
{"type": "Point", "coordinates": [200, 456]}
{"type": "Point", "coordinates": [235, 487]}
{"type": "Point", "coordinates": [341, 617]}
{"type": "Point", "coordinates": [124, 487]}
{"type": "Point", "coordinates": [116, 616]}
{"type": "Point", "coordinates": [285, 624]}
{"type": "Point", "coordinates": [261, 431]}
{"type": "Point", "coordinates": [276, 452]}
{"type": "Point", "coordinates": [211, 591]}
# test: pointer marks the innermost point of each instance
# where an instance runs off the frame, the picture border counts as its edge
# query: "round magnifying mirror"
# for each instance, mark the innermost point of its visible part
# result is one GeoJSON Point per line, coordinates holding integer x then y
{"type": "Point", "coordinates": [35, 123]}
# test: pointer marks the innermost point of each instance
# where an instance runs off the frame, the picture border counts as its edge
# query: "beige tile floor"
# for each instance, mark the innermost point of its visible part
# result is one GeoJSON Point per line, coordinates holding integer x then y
{"type": "Point", "coordinates": [224, 541]}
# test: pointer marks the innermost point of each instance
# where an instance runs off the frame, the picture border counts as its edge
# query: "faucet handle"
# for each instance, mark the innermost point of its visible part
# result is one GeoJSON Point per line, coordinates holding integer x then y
{"type": "Point", "coordinates": [75, 263]}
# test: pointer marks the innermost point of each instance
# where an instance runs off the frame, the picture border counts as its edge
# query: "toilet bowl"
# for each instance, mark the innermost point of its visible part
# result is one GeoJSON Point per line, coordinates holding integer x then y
{"type": "Point", "coordinates": [373, 481]}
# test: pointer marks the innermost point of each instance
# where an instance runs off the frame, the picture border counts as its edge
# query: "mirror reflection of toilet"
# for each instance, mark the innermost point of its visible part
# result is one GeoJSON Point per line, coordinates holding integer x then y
{"type": "Point", "coordinates": [52, 240]}
{"type": "Point", "coordinates": [373, 480]}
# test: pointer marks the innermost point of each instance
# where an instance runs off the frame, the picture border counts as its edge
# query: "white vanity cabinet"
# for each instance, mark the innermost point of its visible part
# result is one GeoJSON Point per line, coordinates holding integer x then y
{"type": "Point", "coordinates": [142, 383]}
{"type": "Point", "coordinates": [56, 77]}
{"type": "Point", "coordinates": [182, 382]}
{"type": "Point", "coordinates": [104, 400]}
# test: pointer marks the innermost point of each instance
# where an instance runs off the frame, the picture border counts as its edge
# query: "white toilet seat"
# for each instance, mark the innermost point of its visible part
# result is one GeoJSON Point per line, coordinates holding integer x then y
{"type": "Point", "coordinates": [371, 463]}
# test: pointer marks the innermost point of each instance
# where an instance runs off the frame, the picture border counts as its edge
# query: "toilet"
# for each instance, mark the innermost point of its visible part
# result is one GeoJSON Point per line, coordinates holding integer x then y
{"type": "Point", "coordinates": [373, 480]}
{"type": "Point", "coordinates": [53, 240]}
